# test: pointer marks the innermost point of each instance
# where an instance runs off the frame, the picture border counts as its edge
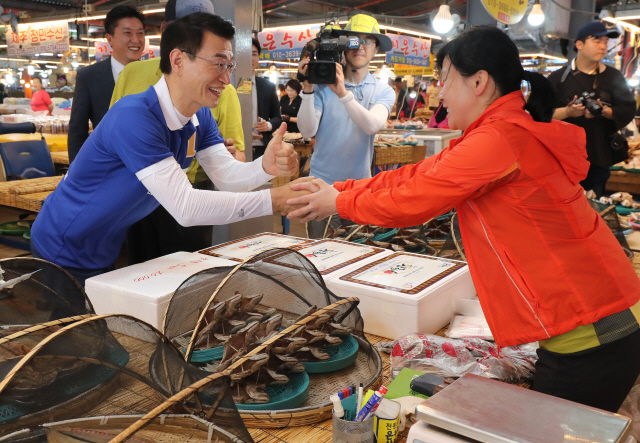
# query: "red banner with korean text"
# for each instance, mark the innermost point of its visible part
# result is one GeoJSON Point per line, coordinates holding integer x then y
{"type": "Point", "coordinates": [36, 38]}
{"type": "Point", "coordinates": [285, 43]}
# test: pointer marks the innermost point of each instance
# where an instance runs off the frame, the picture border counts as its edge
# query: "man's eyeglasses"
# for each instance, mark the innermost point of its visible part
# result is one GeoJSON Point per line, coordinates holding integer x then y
{"type": "Point", "coordinates": [222, 65]}
{"type": "Point", "coordinates": [367, 43]}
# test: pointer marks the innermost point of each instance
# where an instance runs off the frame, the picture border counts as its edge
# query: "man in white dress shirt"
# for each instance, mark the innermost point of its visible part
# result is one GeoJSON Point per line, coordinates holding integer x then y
{"type": "Point", "coordinates": [124, 27]}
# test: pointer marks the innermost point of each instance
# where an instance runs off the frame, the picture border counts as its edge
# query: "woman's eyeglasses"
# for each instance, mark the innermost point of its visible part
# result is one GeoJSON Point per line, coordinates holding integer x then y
{"type": "Point", "coordinates": [222, 65]}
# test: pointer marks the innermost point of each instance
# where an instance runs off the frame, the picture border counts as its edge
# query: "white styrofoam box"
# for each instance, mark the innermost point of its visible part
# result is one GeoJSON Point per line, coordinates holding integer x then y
{"type": "Point", "coordinates": [334, 258]}
{"type": "Point", "coordinates": [404, 293]}
{"type": "Point", "coordinates": [14, 118]}
{"type": "Point", "coordinates": [144, 290]}
{"type": "Point", "coordinates": [241, 249]}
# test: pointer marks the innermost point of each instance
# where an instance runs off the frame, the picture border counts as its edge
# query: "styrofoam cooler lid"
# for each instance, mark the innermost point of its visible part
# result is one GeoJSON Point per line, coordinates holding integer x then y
{"type": "Point", "coordinates": [331, 255]}
{"type": "Point", "coordinates": [405, 275]}
{"type": "Point", "coordinates": [155, 280]}
{"type": "Point", "coordinates": [241, 249]}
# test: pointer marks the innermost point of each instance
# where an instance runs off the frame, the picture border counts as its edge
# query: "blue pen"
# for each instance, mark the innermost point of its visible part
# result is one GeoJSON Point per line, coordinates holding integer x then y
{"type": "Point", "coordinates": [374, 400]}
{"type": "Point", "coordinates": [341, 395]}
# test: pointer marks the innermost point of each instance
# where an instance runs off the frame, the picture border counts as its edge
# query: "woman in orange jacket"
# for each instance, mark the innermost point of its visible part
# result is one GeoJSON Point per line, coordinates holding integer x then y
{"type": "Point", "coordinates": [545, 265]}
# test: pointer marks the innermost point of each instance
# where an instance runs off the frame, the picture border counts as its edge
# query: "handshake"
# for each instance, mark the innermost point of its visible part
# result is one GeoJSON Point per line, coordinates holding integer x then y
{"type": "Point", "coordinates": [305, 199]}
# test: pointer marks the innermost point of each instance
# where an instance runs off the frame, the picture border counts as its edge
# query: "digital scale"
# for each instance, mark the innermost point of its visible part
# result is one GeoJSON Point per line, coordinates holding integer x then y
{"type": "Point", "coordinates": [476, 409]}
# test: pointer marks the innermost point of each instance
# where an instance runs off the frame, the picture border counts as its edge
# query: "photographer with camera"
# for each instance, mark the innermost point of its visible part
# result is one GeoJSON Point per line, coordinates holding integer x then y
{"type": "Point", "coordinates": [343, 106]}
{"type": "Point", "coordinates": [596, 98]}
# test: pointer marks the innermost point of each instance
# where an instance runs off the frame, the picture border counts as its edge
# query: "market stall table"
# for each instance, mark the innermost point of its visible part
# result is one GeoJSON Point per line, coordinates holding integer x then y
{"type": "Point", "coordinates": [623, 181]}
{"type": "Point", "coordinates": [56, 142]}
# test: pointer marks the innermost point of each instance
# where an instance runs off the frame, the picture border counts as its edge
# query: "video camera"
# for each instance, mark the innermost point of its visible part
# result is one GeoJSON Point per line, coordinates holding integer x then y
{"type": "Point", "coordinates": [589, 101]}
{"type": "Point", "coordinates": [324, 52]}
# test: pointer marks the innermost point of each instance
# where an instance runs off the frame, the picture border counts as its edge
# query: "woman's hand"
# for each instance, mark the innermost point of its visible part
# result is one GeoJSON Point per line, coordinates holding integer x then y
{"type": "Point", "coordinates": [318, 205]}
{"type": "Point", "coordinates": [280, 158]}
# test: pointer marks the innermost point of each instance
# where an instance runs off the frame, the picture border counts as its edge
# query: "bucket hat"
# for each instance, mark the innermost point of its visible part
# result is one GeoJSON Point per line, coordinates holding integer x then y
{"type": "Point", "coordinates": [365, 24]}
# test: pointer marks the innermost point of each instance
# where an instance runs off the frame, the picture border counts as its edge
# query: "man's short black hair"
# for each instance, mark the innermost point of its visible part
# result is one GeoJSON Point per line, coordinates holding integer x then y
{"type": "Point", "coordinates": [36, 78]}
{"type": "Point", "coordinates": [119, 12]}
{"type": "Point", "coordinates": [256, 44]}
{"type": "Point", "coordinates": [187, 34]}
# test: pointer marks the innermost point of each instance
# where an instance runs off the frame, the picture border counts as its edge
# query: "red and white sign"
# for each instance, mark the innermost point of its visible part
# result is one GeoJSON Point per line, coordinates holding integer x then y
{"type": "Point", "coordinates": [103, 50]}
{"type": "Point", "coordinates": [36, 38]}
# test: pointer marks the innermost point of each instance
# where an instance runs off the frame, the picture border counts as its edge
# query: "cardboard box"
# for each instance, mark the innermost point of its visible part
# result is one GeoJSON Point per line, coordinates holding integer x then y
{"type": "Point", "coordinates": [144, 290]}
{"type": "Point", "coordinates": [404, 293]}
{"type": "Point", "coordinates": [241, 249]}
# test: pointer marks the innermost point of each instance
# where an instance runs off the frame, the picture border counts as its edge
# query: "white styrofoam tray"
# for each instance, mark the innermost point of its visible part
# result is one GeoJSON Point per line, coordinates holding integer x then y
{"type": "Point", "coordinates": [144, 290]}
{"type": "Point", "coordinates": [404, 293]}
{"type": "Point", "coordinates": [241, 249]}
{"type": "Point", "coordinates": [334, 258]}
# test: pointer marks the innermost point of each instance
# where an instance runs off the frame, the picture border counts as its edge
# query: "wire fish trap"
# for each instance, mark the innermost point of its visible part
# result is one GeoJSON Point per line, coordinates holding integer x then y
{"type": "Point", "coordinates": [111, 367]}
{"type": "Point", "coordinates": [42, 292]}
{"type": "Point", "coordinates": [294, 310]}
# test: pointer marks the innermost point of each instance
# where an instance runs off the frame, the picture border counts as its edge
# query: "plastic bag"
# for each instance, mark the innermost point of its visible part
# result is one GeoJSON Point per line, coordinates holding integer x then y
{"type": "Point", "coordinates": [453, 358]}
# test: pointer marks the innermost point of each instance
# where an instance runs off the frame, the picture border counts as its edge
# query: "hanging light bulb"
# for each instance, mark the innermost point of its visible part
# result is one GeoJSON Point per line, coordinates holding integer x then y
{"type": "Point", "coordinates": [65, 69]}
{"type": "Point", "coordinates": [443, 22]}
{"type": "Point", "coordinates": [633, 81]}
{"type": "Point", "coordinates": [536, 16]}
{"type": "Point", "coordinates": [30, 69]}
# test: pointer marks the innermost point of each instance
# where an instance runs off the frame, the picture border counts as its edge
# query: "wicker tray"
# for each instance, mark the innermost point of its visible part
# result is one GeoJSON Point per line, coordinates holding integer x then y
{"type": "Point", "coordinates": [400, 154]}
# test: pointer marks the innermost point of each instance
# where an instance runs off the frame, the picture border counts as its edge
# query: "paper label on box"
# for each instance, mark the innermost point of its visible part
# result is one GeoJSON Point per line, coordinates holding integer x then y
{"type": "Point", "coordinates": [330, 255]}
{"type": "Point", "coordinates": [240, 250]}
{"type": "Point", "coordinates": [409, 274]}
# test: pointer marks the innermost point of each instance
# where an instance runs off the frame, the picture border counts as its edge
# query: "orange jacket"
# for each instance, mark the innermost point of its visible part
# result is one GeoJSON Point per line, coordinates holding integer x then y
{"type": "Point", "coordinates": [542, 260]}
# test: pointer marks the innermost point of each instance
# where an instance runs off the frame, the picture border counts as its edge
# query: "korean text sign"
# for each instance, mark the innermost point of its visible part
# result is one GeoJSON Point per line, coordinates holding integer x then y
{"type": "Point", "coordinates": [103, 50]}
{"type": "Point", "coordinates": [409, 51]}
{"type": "Point", "coordinates": [286, 43]}
{"type": "Point", "coordinates": [37, 38]}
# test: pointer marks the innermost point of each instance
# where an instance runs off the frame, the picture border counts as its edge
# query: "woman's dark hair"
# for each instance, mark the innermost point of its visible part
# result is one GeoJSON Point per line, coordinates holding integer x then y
{"type": "Point", "coordinates": [118, 13]}
{"type": "Point", "coordinates": [187, 34]}
{"type": "Point", "coordinates": [486, 48]}
{"type": "Point", "coordinates": [281, 87]}
{"type": "Point", "coordinates": [36, 78]}
{"type": "Point", "coordinates": [295, 85]}
{"type": "Point", "coordinates": [256, 44]}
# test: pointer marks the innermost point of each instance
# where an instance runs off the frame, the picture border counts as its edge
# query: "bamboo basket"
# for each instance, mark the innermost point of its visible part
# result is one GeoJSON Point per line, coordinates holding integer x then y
{"type": "Point", "coordinates": [173, 428]}
{"type": "Point", "coordinates": [388, 155]}
{"type": "Point", "coordinates": [280, 181]}
{"type": "Point", "coordinates": [33, 186]}
{"type": "Point", "coordinates": [31, 202]}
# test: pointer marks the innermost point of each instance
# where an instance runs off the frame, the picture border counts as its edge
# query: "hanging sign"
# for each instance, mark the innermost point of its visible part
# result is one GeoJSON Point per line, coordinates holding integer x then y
{"type": "Point", "coordinates": [508, 12]}
{"type": "Point", "coordinates": [413, 70]}
{"type": "Point", "coordinates": [286, 43]}
{"type": "Point", "coordinates": [37, 38]}
{"type": "Point", "coordinates": [103, 50]}
{"type": "Point", "coordinates": [410, 51]}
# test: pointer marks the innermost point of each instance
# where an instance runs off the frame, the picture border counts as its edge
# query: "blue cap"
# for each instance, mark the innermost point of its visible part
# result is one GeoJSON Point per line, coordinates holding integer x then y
{"type": "Point", "coordinates": [596, 29]}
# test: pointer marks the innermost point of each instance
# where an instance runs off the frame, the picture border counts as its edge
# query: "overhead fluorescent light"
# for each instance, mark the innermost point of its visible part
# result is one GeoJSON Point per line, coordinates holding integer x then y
{"type": "Point", "coordinates": [540, 55]}
{"type": "Point", "coordinates": [622, 23]}
{"type": "Point", "coordinates": [408, 31]}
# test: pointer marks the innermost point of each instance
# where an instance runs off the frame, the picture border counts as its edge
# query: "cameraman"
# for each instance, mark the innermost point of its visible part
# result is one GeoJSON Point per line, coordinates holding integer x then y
{"type": "Point", "coordinates": [345, 116]}
{"type": "Point", "coordinates": [587, 74]}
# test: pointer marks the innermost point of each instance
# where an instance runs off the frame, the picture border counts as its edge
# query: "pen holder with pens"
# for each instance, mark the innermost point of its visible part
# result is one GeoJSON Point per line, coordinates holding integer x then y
{"type": "Point", "coordinates": [345, 430]}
